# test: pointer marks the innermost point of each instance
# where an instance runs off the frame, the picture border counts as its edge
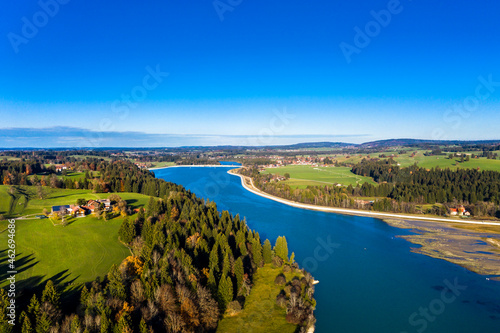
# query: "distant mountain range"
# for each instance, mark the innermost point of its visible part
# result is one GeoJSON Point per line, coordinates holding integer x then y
{"type": "Point", "coordinates": [298, 146]}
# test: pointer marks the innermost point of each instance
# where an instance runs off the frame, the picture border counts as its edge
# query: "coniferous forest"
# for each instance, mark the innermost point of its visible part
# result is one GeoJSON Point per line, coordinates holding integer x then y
{"type": "Point", "coordinates": [189, 264]}
{"type": "Point", "coordinates": [400, 190]}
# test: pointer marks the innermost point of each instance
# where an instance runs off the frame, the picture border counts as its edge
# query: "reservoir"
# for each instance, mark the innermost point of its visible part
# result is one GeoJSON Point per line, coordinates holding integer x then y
{"type": "Point", "coordinates": [370, 281]}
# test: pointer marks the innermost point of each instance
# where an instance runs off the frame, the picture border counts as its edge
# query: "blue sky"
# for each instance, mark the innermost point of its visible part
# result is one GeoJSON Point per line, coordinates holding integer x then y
{"type": "Point", "coordinates": [428, 70]}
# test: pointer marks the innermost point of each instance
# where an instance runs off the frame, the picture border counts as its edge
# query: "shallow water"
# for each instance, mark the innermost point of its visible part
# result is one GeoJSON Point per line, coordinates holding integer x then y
{"type": "Point", "coordinates": [370, 281]}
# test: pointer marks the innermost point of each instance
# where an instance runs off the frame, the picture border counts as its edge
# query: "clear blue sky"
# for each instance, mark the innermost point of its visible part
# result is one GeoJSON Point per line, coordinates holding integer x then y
{"type": "Point", "coordinates": [232, 69]}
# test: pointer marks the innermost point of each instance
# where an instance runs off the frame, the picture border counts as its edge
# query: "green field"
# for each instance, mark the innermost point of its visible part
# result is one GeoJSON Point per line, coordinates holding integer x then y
{"type": "Point", "coordinates": [79, 252]}
{"type": "Point", "coordinates": [424, 161]}
{"type": "Point", "coordinates": [162, 164]}
{"type": "Point", "coordinates": [57, 197]}
{"type": "Point", "coordinates": [303, 175]}
{"type": "Point", "coordinates": [261, 314]}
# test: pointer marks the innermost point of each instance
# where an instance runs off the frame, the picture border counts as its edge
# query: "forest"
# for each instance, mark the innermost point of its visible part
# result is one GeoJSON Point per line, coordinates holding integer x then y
{"type": "Point", "coordinates": [189, 265]}
{"type": "Point", "coordinates": [399, 190]}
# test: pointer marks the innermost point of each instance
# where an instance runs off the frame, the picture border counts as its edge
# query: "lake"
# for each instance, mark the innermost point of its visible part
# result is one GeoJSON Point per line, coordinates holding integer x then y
{"type": "Point", "coordinates": [370, 281]}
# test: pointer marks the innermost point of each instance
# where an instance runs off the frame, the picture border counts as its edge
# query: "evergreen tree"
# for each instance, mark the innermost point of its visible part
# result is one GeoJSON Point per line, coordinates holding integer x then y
{"type": "Point", "coordinates": [127, 231]}
{"type": "Point", "coordinates": [256, 252]}
{"type": "Point", "coordinates": [51, 295]}
{"type": "Point", "coordinates": [115, 285]}
{"type": "Point", "coordinates": [142, 327]}
{"type": "Point", "coordinates": [105, 324]}
{"type": "Point", "coordinates": [225, 292]}
{"type": "Point", "coordinates": [267, 252]}
{"type": "Point", "coordinates": [76, 326]}
{"type": "Point", "coordinates": [212, 283]}
{"type": "Point", "coordinates": [239, 272]}
{"type": "Point", "coordinates": [43, 323]}
{"type": "Point", "coordinates": [26, 323]}
{"type": "Point", "coordinates": [34, 307]}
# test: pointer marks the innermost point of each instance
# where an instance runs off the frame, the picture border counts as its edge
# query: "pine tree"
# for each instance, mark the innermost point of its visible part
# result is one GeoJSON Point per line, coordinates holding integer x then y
{"type": "Point", "coordinates": [51, 295]}
{"type": "Point", "coordinates": [142, 327]}
{"type": "Point", "coordinates": [127, 231]}
{"type": "Point", "coordinates": [257, 252]}
{"type": "Point", "coordinates": [225, 292]}
{"type": "Point", "coordinates": [115, 285]}
{"type": "Point", "coordinates": [76, 326]}
{"type": "Point", "coordinates": [239, 272]}
{"type": "Point", "coordinates": [212, 283]}
{"type": "Point", "coordinates": [34, 307]}
{"type": "Point", "coordinates": [151, 207]}
{"type": "Point", "coordinates": [84, 296]}
{"type": "Point", "coordinates": [267, 252]}
{"type": "Point", "coordinates": [226, 265]}
{"type": "Point", "coordinates": [43, 323]}
{"type": "Point", "coordinates": [26, 323]}
{"type": "Point", "coordinates": [105, 324]}
{"type": "Point", "coordinates": [281, 248]}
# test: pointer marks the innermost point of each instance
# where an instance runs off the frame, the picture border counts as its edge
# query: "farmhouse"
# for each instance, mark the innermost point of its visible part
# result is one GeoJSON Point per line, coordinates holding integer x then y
{"type": "Point", "coordinates": [60, 209]}
{"type": "Point", "coordinates": [460, 211]}
{"type": "Point", "coordinates": [78, 211]}
{"type": "Point", "coordinates": [75, 210]}
{"type": "Point", "coordinates": [94, 204]}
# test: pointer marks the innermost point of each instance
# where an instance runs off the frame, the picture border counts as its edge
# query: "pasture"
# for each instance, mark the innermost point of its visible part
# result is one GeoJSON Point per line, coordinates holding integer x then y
{"type": "Point", "coordinates": [302, 176]}
{"type": "Point", "coordinates": [79, 252]}
{"type": "Point", "coordinates": [261, 314]}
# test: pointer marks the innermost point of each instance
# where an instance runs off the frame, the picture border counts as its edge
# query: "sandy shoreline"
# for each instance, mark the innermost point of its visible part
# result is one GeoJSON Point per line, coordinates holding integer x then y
{"type": "Point", "coordinates": [247, 183]}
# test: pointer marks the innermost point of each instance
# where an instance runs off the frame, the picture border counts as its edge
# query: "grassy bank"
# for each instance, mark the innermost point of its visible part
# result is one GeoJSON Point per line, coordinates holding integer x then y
{"type": "Point", "coordinates": [261, 314]}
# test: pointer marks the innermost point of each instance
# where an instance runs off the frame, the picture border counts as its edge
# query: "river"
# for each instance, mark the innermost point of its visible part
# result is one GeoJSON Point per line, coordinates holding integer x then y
{"type": "Point", "coordinates": [370, 281]}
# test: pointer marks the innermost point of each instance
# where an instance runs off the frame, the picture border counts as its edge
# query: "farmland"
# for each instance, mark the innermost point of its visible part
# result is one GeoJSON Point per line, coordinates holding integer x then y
{"type": "Point", "coordinates": [302, 176]}
{"type": "Point", "coordinates": [79, 252]}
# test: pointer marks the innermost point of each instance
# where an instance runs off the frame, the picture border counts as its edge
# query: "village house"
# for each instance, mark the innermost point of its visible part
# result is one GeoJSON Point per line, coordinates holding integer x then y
{"type": "Point", "coordinates": [94, 204]}
{"type": "Point", "coordinates": [459, 211]}
{"type": "Point", "coordinates": [60, 167]}
{"type": "Point", "coordinates": [74, 210]}
{"type": "Point", "coordinates": [64, 209]}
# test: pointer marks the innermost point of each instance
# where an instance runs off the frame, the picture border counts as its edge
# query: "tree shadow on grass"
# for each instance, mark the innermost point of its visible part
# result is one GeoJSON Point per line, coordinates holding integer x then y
{"type": "Point", "coordinates": [21, 264]}
{"type": "Point", "coordinates": [70, 292]}
{"type": "Point", "coordinates": [130, 202]}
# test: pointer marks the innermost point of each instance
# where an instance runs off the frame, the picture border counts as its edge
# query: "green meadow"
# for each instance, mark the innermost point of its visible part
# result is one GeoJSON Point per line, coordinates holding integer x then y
{"type": "Point", "coordinates": [79, 252]}
{"type": "Point", "coordinates": [261, 314]}
{"type": "Point", "coordinates": [302, 176]}
{"type": "Point", "coordinates": [429, 162]}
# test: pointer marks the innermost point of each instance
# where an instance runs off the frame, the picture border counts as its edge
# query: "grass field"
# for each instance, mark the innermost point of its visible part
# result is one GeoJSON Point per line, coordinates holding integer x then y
{"type": "Point", "coordinates": [425, 161]}
{"type": "Point", "coordinates": [162, 164]}
{"type": "Point", "coordinates": [79, 252]}
{"type": "Point", "coordinates": [57, 197]}
{"type": "Point", "coordinates": [261, 314]}
{"type": "Point", "coordinates": [303, 175]}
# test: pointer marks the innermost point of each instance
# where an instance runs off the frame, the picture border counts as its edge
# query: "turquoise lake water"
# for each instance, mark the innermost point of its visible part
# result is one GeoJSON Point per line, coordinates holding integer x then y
{"type": "Point", "coordinates": [370, 281]}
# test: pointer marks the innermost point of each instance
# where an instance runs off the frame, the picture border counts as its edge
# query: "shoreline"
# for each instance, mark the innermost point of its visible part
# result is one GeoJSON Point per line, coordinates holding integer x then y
{"type": "Point", "coordinates": [196, 166]}
{"type": "Point", "coordinates": [251, 188]}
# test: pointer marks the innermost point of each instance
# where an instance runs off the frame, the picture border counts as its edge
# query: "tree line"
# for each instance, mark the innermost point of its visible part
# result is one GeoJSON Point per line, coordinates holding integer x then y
{"type": "Point", "coordinates": [189, 264]}
{"type": "Point", "coordinates": [400, 190]}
